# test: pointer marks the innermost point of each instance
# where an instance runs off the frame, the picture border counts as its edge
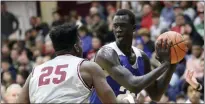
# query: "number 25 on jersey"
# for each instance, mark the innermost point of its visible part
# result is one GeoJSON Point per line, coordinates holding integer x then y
{"type": "Point", "coordinates": [57, 71]}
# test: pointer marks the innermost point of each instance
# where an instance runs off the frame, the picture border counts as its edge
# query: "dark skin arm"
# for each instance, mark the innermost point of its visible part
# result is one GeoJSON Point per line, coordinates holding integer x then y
{"type": "Point", "coordinates": [108, 59]}
{"type": "Point", "coordinates": [93, 74]}
{"type": "Point", "coordinates": [24, 94]}
{"type": "Point", "coordinates": [159, 86]}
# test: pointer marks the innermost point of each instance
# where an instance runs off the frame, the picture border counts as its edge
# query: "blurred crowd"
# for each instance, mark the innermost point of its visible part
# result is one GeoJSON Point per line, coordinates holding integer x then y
{"type": "Point", "coordinates": [19, 57]}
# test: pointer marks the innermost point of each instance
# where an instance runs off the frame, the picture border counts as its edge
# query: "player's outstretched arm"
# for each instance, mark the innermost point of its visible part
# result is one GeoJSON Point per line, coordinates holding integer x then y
{"type": "Point", "coordinates": [108, 59]}
{"type": "Point", "coordinates": [158, 88]}
{"type": "Point", "coordinates": [98, 79]}
{"type": "Point", "coordinates": [24, 94]}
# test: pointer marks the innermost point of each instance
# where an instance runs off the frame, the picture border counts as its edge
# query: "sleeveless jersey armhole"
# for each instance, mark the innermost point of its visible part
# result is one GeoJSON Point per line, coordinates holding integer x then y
{"type": "Point", "coordinates": [79, 76]}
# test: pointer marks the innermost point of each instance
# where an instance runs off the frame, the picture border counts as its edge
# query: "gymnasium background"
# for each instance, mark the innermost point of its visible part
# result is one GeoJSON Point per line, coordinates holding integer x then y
{"type": "Point", "coordinates": [25, 43]}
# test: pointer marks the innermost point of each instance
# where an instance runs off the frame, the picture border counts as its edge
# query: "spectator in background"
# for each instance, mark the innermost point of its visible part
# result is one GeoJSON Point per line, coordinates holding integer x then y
{"type": "Point", "coordinates": [193, 95]}
{"type": "Point", "coordinates": [7, 67]}
{"type": "Point", "coordinates": [200, 26]}
{"type": "Point", "coordinates": [21, 77]}
{"type": "Point", "coordinates": [111, 12]}
{"type": "Point", "coordinates": [99, 25]}
{"type": "Point", "coordinates": [100, 9]}
{"type": "Point", "coordinates": [147, 16]}
{"type": "Point", "coordinates": [177, 9]}
{"type": "Point", "coordinates": [88, 24]}
{"type": "Point", "coordinates": [7, 20]}
{"type": "Point", "coordinates": [180, 98]}
{"type": "Point", "coordinates": [49, 50]}
{"type": "Point", "coordinates": [14, 57]}
{"type": "Point", "coordinates": [191, 31]}
{"type": "Point", "coordinates": [193, 63]}
{"type": "Point", "coordinates": [97, 43]}
{"type": "Point", "coordinates": [57, 19]}
{"type": "Point", "coordinates": [167, 14]}
{"type": "Point", "coordinates": [188, 42]}
{"type": "Point", "coordinates": [186, 6]}
{"type": "Point", "coordinates": [12, 93]}
{"type": "Point", "coordinates": [180, 21]}
{"type": "Point", "coordinates": [7, 78]}
{"type": "Point", "coordinates": [39, 27]}
{"type": "Point", "coordinates": [86, 40]}
{"type": "Point", "coordinates": [148, 44]}
{"type": "Point", "coordinates": [5, 51]}
{"type": "Point", "coordinates": [157, 26]}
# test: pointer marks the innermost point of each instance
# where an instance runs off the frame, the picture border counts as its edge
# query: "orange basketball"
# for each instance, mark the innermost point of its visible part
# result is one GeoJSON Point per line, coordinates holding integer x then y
{"type": "Point", "coordinates": [178, 47]}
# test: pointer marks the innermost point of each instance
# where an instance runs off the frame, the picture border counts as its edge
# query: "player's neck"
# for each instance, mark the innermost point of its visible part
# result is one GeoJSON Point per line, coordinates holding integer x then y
{"type": "Point", "coordinates": [125, 48]}
{"type": "Point", "coordinates": [64, 53]}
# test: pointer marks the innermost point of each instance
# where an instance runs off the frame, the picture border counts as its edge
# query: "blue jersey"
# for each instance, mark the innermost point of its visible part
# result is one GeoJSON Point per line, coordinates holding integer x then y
{"type": "Point", "coordinates": [137, 69]}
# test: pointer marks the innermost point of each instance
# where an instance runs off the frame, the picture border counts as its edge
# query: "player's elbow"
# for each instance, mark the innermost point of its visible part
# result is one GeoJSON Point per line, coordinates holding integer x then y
{"type": "Point", "coordinates": [108, 96]}
{"type": "Point", "coordinates": [135, 88]}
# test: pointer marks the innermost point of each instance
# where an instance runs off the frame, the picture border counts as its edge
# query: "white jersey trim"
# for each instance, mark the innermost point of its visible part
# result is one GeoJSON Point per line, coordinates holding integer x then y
{"type": "Point", "coordinates": [79, 75]}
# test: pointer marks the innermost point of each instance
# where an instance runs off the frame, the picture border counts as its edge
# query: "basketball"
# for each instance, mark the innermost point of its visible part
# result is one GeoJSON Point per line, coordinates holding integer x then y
{"type": "Point", "coordinates": [178, 47]}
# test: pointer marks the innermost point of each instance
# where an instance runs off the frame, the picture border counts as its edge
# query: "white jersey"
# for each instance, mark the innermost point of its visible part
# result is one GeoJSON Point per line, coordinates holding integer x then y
{"type": "Point", "coordinates": [58, 81]}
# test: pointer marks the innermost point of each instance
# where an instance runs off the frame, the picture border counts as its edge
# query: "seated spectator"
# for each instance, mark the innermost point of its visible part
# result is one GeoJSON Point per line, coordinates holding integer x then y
{"type": "Point", "coordinates": [180, 21]}
{"type": "Point", "coordinates": [157, 26]}
{"type": "Point", "coordinates": [179, 10]}
{"type": "Point", "coordinates": [193, 95]}
{"type": "Point", "coordinates": [86, 40]}
{"type": "Point", "coordinates": [7, 67]}
{"type": "Point", "coordinates": [49, 50]}
{"type": "Point", "coordinates": [193, 63]}
{"type": "Point", "coordinates": [200, 26]}
{"type": "Point", "coordinates": [180, 98]}
{"type": "Point", "coordinates": [88, 25]}
{"type": "Point", "coordinates": [188, 42]}
{"type": "Point", "coordinates": [148, 44]}
{"type": "Point", "coordinates": [200, 9]}
{"type": "Point", "coordinates": [7, 78]}
{"type": "Point", "coordinates": [5, 51]}
{"type": "Point", "coordinates": [57, 19]}
{"type": "Point", "coordinates": [21, 77]}
{"type": "Point", "coordinates": [12, 93]}
{"type": "Point", "coordinates": [190, 30]}
{"type": "Point", "coordinates": [99, 25]}
{"type": "Point", "coordinates": [167, 13]}
{"type": "Point", "coordinates": [147, 16]}
{"type": "Point", "coordinates": [186, 6]}
{"type": "Point", "coordinates": [97, 43]}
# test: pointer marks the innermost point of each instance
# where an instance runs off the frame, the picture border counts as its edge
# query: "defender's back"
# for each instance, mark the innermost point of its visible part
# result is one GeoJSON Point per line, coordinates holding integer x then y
{"type": "Point", "coordinates": [58, 81]}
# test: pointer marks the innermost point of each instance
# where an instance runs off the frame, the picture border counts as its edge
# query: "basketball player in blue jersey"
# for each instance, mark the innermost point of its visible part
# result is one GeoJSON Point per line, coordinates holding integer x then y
{"type": "Point", "coordinates": [128, 67]}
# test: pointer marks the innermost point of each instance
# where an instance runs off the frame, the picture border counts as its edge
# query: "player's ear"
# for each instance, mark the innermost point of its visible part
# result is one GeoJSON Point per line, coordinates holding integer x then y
{"type": "Point", "coordinates": [134, 27]}
{"type": "Point", "coordinates": [76, 48]}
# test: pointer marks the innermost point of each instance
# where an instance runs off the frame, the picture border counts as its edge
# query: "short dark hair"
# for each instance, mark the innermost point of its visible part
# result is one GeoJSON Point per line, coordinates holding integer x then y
{"type": "Point", "coordinates": [64, 37]}
{"type": "Point", "coordinates": [129, 13]}
{"type": "Point", "coordinates": [155, 15]}
{"type": "Point", "coordinates": [83, 28]}
{"type": "Point", "coordinates": [95, 15]}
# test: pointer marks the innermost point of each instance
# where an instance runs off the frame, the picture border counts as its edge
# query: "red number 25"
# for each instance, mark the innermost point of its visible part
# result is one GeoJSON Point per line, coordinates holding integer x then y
{"type": "Point", "coordinates": [45, 81]}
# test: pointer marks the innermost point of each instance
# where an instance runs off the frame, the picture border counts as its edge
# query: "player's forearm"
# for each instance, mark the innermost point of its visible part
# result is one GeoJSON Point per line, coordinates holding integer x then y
{"type": "Point", "coordinates": [145, 80]}
{"type": "Point", "coordinates": [163, 81]}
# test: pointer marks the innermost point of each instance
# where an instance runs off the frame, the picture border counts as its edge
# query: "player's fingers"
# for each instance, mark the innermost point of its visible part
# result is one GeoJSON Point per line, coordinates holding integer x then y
{"type": "Point", "coordinates": [191, 74]}
{"type": "Point", "coordinates": [165, 44]}
{"type": "Point", "coordinates": [158, 45]}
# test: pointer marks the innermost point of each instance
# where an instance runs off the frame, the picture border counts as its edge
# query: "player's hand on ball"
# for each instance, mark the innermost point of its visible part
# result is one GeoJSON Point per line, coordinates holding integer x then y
{"type": "Point", "coordinates": [163, 50]}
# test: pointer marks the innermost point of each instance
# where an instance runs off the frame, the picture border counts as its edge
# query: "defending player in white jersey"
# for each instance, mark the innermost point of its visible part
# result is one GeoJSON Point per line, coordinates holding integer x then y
{"type": "Point", "coordinates": [66, 78]}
